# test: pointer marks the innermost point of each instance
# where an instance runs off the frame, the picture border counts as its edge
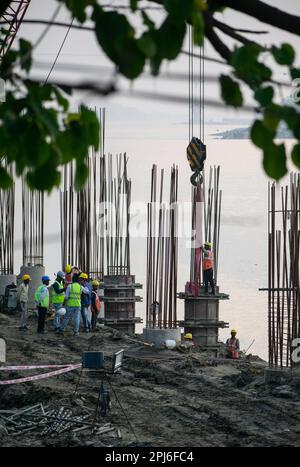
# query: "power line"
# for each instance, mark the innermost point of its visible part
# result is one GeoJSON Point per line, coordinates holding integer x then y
{"type": "Point", "coordinates": [105, 89]}
{"type": "Point", "coordinates": [59, 51]}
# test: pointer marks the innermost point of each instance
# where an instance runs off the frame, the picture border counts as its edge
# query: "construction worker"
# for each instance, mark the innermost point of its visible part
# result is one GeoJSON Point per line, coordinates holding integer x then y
{"type": "Point", "coordinates": [73, 305]}
{"type": "Point", "coordinates": [187, 344]}
{"type": "Point", "coordinates": [208, 267]}
{"type": "Point", "coordinates": [95, 304]}
{"type": "Point", "coordinates": [58, 297]}
{"type": "Point", "coordinates": [233, 346]}
{"type": "Point", "coordinates": [85, 301]}
{"type": "Point", "coordinates": [41, 298]}
{"type": "Point", "coordinates": [68, 274]}
{"type": "Point", "coordinates": [22, 300]}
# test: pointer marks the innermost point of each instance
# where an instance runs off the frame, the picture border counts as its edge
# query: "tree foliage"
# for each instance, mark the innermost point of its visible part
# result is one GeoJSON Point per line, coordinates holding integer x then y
{"type": "Point", "coordinates": [39, 134]}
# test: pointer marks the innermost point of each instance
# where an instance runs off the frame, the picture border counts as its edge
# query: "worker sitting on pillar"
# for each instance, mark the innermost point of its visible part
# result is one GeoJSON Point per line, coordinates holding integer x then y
{"type": "Point", "coordinates": [208, 267]}
{"type": "Point", "coordinates": [233, 346]}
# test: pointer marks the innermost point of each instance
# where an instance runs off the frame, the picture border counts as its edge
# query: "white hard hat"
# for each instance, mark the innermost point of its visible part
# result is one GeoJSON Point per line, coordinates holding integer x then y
{"type": "Point", "coordinates": [61, 311]}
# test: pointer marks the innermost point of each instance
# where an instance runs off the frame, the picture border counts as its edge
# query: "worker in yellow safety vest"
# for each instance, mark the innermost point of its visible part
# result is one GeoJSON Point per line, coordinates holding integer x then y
{"type": "Point", "coordinates": [58, 298]}
{"type": "Point", "coordinates": [208, 267]}
{"type": "Point", "coordinates": [41, 298]}
{"type": "Point", "coordinates": [73, 305]}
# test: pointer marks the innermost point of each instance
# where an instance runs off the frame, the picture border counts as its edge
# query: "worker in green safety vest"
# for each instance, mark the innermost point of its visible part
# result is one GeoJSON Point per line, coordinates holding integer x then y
{"type": "Point", "coordinates": [73, 304]}
{"type": "Point", "coordinates": [41, 298]}
{"type": "Point", "coordinates": [58, 298]}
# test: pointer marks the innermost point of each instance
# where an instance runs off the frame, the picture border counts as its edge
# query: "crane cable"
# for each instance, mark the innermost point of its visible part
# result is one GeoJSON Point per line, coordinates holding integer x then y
{"type": "Point", "coordinates": [192, 87]}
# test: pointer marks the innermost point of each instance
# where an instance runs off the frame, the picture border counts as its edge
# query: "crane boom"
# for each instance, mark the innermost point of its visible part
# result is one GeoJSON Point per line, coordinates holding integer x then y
{"type": "Point", "coordinates": [12, 17]}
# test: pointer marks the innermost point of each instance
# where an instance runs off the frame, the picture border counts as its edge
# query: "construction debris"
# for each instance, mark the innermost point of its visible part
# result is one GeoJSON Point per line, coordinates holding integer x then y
{"type": "Point", "coordinates": [49, 421]}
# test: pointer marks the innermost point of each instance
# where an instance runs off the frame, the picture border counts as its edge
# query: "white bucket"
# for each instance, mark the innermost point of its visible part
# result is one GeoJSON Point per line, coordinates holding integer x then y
{"type": "Point", "coordinates": [170, 344]}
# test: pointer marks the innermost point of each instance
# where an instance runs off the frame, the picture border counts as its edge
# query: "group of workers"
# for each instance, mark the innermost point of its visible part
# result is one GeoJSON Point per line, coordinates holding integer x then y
{"type": "Point", "coordinates": [72, 297]}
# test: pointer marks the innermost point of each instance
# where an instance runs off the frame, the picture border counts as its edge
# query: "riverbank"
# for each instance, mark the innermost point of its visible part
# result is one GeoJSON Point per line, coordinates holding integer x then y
{"type": "Point", "coordinates": [167, 398]}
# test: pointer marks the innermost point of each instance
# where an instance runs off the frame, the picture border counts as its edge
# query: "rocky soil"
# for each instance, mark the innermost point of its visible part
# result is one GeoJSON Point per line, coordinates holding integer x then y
{"type": "Point", "coordinates": [159, 399]}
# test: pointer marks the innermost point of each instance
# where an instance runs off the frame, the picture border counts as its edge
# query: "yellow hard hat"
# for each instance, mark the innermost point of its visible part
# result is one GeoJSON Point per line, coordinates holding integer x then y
{"type": "Point", "coordinates": [208, 244]}
{"type": "Point", "coordinates": [189, 336]}
{"type": "Point", "coordinates": [26, 277]}
{"type": "Point", "coordinates": [233, 331]}
{"type": "Point", "coordinates": [68, 268]}
{"type": "Point", "coordinates": [83, 275]}
{"type": "Point", "coordinates": [95, 283]}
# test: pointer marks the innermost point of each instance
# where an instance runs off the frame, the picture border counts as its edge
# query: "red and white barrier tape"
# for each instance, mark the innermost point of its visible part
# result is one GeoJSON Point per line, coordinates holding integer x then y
{"type": "Point", "coordinates": [31, 367]}
{"type": "Point", "coordinates": [66, 369]}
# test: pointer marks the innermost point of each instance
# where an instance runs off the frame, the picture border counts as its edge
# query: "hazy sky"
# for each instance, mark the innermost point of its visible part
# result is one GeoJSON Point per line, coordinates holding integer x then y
{"type": "Point", "coordinates": [81, 48]}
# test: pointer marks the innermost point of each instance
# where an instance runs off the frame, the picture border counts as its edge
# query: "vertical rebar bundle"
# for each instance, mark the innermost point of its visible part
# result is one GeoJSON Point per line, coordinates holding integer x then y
{"type": "Point", "coordinates": [283, 271]}
{"type": "Point", "coordinates": [82, 230]}
{"type": "Point", "coordinates": [33, 225]}
{"type": "Point", "coordinates": [117, 202]}
{"type": "Point", "coordinates": [210, 226]}
{"type": "Point", "coordinates": [7, 217]}
{"type": "Point", "coordinates": [162, 253]}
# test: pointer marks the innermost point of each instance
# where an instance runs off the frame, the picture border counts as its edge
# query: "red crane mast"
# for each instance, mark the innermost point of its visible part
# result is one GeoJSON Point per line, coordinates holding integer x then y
{"type": "Point", "coordinates": [13, 16]}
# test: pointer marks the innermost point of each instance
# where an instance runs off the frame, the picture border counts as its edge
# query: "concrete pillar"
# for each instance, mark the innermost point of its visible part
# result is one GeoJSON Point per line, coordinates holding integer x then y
{"type": "Point", "coordinates": [119, 299]}
{"type": "Point", "coordinates": [201, 318]}
{"type": "Point", "coordinates": [6, 279]}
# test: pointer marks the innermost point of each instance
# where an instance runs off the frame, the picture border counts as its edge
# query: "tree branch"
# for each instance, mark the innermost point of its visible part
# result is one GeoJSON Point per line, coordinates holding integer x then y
{"type": "Point", "coordinates": [264, 13]}
{"type": "Point", "coordinates": [231, 32]}
{"type": "Point", "coordinates": [214, 39]}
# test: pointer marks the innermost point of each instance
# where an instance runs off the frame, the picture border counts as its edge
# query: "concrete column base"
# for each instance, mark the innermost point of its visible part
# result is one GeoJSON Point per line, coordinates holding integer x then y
{"type": "Point", "coordinates": [158, 336]}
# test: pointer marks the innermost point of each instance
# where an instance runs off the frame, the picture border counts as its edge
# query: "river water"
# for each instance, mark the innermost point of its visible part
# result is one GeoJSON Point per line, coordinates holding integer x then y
{"type": "Point", "coordinates": [243, 236]}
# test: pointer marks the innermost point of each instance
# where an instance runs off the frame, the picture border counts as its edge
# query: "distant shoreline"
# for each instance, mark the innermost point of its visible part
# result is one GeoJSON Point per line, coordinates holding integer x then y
{"type": "Point", "coordinates": [244, 133]}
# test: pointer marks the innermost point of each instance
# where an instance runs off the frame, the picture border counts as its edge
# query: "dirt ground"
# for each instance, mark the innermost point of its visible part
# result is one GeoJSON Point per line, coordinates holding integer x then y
{"type": "Point", "coordinates": [159, 399]}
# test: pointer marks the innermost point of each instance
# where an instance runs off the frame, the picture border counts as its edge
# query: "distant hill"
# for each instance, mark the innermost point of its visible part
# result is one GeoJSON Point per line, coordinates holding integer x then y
{"type": "Point", "coordinates": [244, 133]}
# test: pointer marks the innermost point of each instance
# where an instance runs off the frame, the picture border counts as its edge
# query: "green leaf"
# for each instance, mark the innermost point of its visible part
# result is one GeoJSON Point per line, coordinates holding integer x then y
{"type": "Point", "coordinates": [264, 95]}
{"type": "Point", "coordinates": [147, 45]}
{"type": "Point", "coordinates": [5, 179]}
{"type": "Point", "coordinates": [247, 66]}
{"type": "Point", "coordinates": [260, 135]}
{"type": "Point", "coordinates": [285, 55]}
{"type": "Point", "coordinates": [61, 100]}
{"type": "Point", "coordinates": [155, 63]}
{"type": "Point", "coordinates": [46, 176]}
{"type": "Point", "coordinates": [91, 127]}
{"type": "Point", "coordinates": [230, 91]}
{"type": "Point", "coordinates": [25, 54]}
{"type": "Point", "coordinates": [292, 119]}
{"type": "Point", "coordinates": [274, 161]}
{"type": "Point", "coordinates": [272, 116]}
{"type": "Point", "coordinates": [116, 37]}
{"type": "Point", "coordinates": [295, 73]}
{"type": "Point", "coordinates": [81, 175]}
{"type": "Point", "coordinates": [78, 7]}
{"type": "Point", "coordinates": [198, 28]}
{"type": "Point", "coordinates": [170, 38]}
{"type": "Point", "coordinates": [147, 21]}
{"type": "Point", "coordinates": [296, 155]}
{"type": "Point", "coordinates": [133, 5]}
{"type": "Point", "coordinates": [179, 10]}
